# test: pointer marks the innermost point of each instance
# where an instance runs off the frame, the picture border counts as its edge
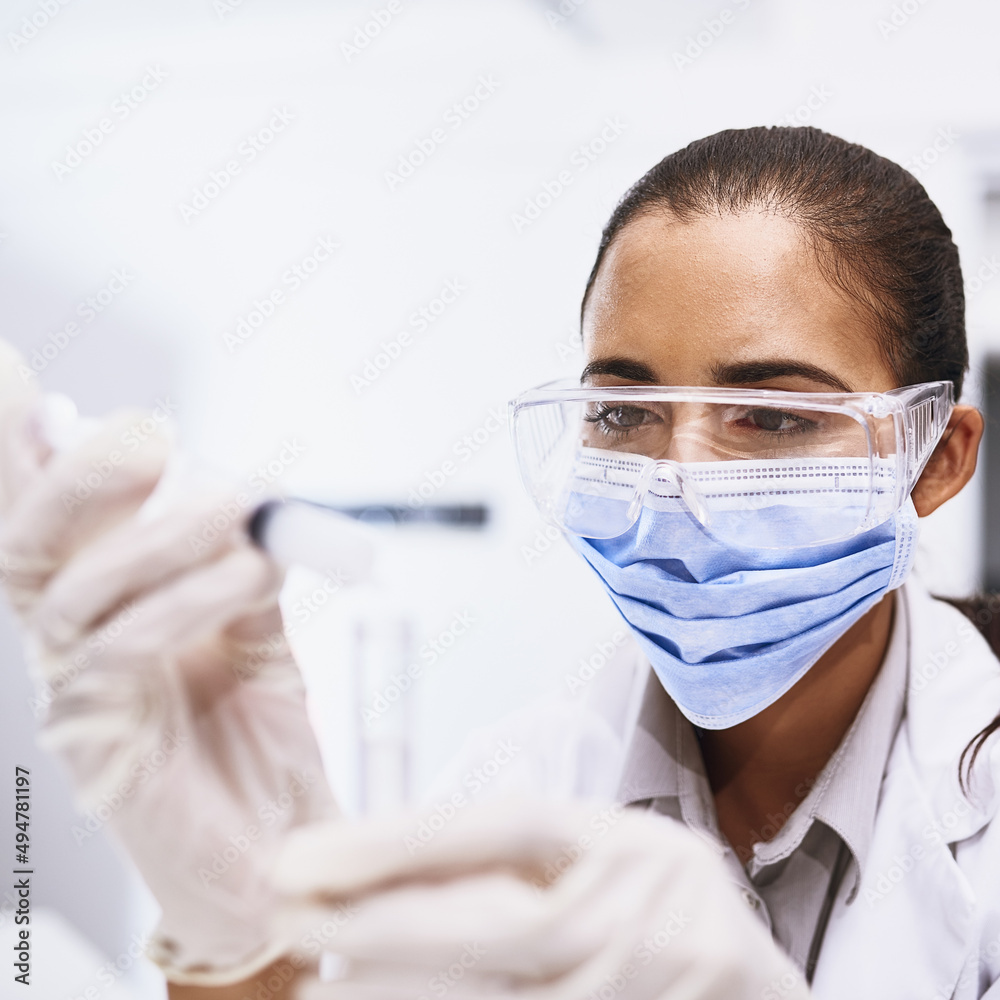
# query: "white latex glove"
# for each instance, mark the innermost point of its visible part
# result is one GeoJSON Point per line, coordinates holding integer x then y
{"type": "Point", "coordinates": [526, 901]}
{"type": "Point", "coordinates": [196, 751]}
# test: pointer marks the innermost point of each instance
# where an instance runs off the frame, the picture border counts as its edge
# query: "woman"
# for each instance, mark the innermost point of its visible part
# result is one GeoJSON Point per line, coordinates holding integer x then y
{"type": "Point", "coordinates": [742, 474]}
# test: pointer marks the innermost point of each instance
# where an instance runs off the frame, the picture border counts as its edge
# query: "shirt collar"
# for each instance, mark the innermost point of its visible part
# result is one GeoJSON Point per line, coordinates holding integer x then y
{"type": "Point", "coordinates": [664, 762]}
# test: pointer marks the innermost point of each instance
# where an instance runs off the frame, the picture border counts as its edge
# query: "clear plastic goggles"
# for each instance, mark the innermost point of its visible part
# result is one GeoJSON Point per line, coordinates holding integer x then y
{"type": "Point", "coordinates": [760, 467]}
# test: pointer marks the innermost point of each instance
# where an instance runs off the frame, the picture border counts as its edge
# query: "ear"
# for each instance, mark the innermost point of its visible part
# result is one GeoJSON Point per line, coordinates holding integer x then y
{"type": "Point", "coordinates": [953, 462]}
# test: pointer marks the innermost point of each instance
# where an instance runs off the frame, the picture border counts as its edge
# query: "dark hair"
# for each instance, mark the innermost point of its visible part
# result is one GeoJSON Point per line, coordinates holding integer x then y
{"type": "Point", "coordinates": [982, 610]}
{"type": "Point", "coordinates": [877, 234]}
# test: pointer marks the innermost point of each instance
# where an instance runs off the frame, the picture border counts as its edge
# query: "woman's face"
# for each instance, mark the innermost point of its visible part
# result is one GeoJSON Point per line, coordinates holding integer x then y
{"type": "Point", "coordinates": [725, 300]}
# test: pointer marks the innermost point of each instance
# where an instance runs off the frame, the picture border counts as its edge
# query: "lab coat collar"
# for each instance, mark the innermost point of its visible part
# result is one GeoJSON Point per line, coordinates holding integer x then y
{"type": "Point", "coordinates": [911, 929]}
{"type": "Point", "coordinates": [953, 693]}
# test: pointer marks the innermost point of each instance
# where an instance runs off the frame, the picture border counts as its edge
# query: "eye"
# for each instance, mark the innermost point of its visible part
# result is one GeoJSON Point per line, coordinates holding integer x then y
{"type": "Point", "coordinates": [619, 416]}
{"type": "Point", "coordinates": [772, 420]}
{"type": "Point", "coordinates": [775, 421]}
{"type": "Point", "coordinates": [769, 421]}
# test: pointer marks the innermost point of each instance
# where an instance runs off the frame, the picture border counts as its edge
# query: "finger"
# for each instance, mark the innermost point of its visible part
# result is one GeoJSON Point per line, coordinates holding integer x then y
{"type": "Point", "coordinates": [532, 931]}
{"type": "Point", "coordinates": [23, 450]}
{"type": "Point", "coordinates": [343, 859]}
{"type": "Point", "coordinates": [418, 924]}
{"type": "Point", "coordinates": [199, 605]}
{"type": "Point", "coordinates": [20, 451]}
{"type": "Point", "coordinates": [655, 908]}
{"type": "Point", "coordinates": [125, 563]}
{"type": "Point", "coordinates": [117, 689]}
{"type": "Point", "coordinates": [498, 922]}
{"type": "Point", "coordinates": [186, 613]}
{"type": "Point", "coordinates": [78, 495]}
{"type": "Point", "coordinates": [564, 956]}
{"type": "Point", "coordinates": [376, 982]}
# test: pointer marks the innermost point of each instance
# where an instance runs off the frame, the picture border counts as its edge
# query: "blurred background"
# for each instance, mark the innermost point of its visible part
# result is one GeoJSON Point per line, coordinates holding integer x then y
{"type": "Point", "coordinates": [333, 239]}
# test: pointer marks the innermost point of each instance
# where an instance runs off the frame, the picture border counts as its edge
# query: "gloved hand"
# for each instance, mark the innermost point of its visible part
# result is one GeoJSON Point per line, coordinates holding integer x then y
{"type": "Point", "coordinates": [170, 692]}
{"type": "Point", "coordinates": [526, 901]}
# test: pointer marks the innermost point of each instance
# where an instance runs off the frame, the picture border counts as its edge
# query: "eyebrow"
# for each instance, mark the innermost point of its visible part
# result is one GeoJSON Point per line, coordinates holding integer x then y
{"type": "Point", "coordinates": [751, 372]}
{"type": "Point", "coordinates": [745, 373]}
{"type": "Point", "coordinates": [626, 368]}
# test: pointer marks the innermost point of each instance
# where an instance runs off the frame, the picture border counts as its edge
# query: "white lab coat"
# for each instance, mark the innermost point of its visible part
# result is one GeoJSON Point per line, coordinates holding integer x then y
{"type": "Point", "coordinates": [925, 924]}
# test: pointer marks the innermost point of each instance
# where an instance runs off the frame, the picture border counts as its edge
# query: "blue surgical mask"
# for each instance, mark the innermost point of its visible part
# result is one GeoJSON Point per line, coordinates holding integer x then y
{"type": "Point", "coordinates": [729, 630]}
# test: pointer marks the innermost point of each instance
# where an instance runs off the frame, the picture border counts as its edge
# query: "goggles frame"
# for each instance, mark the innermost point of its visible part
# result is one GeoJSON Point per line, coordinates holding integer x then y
{"type": "Point", "coordinates": [919, 415]}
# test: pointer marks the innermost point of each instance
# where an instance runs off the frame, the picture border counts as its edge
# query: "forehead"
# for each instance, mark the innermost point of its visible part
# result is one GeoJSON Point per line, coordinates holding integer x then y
{"type": "Point", "coordinates": [688, 298]}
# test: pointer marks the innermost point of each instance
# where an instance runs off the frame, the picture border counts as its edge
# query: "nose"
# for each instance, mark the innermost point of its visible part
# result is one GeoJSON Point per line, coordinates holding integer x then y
{"type": "Point", "coordinates": [689, 437]}
{"type": "Point", "coordinates": [664, 481]}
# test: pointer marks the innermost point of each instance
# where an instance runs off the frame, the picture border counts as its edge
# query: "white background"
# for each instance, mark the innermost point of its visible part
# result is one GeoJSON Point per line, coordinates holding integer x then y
{"type": "Point", "coordinates": [893, 80]}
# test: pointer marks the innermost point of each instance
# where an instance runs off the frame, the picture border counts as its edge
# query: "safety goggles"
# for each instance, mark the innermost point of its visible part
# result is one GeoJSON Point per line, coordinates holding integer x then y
{"type": "Point", "coordinates": [754, 467]}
